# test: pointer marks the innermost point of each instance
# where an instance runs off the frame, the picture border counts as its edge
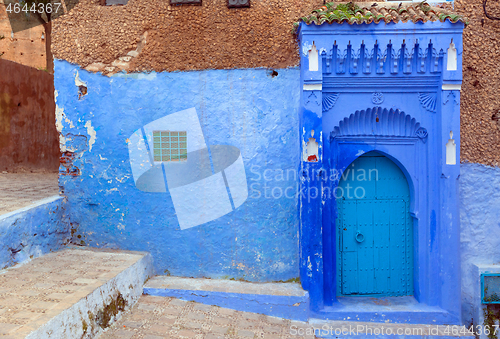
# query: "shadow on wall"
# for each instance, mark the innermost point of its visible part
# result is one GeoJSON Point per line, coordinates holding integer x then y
{"type": "Point", "coordinates": [28, 135]}
{"type": "Point", "coordinates": [480, 226]}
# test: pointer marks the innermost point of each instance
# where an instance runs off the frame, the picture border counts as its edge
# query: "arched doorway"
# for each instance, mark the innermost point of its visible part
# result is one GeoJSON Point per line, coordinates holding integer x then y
{"type": "Point", "coordinates": [374, 229]}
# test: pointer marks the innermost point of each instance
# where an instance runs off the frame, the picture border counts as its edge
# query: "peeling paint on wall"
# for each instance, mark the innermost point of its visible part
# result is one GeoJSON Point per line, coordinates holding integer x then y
{"type": "Point", "coordinates": [241, 108]}
{"type": "Point", "coordinates": [92, 134]}
{"type": "Point", "coordinates": [306, 47]}
{"type": "Point", "coordinates": [78, 81]}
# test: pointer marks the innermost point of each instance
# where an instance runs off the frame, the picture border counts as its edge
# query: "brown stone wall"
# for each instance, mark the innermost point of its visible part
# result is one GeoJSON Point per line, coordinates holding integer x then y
{"type": "Point", "coordinates": [28, 136]}
{"type": "Point", "coordinates": [480, 99]}
{"type": "Point", "coordinates": [149, 35]}
{"type": "Point", "coordinates": [27, 47]}
{"type": "Point", "coordinates": [181, 37]}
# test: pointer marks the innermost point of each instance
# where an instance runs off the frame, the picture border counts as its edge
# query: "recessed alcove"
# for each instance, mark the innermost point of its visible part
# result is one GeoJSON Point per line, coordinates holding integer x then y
{"type": "Point", "coordinates": [313, 58]}
{"type": "Point", "coordinates": [311, 149]}
{"type": "Point", "coordinates": [451, 64]}
{"type": "Point", "coordinates": [451, 151]}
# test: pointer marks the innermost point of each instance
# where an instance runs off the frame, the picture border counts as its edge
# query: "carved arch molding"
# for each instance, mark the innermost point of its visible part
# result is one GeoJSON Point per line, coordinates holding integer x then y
{"type": "Point", "coordinates": [381, 122]}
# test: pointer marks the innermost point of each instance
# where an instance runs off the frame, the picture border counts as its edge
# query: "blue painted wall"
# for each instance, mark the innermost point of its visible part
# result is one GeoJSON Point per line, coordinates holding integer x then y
{"type": "Point", "coordinates": [247, 109]}
{"type": "Point", "coordinates": [480, 227]}
{"type": "Point", "coordinates": [33, 231]}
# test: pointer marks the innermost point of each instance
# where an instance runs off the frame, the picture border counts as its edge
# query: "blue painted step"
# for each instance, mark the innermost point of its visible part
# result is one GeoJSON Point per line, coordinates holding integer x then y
{"type": "Point", "coordinates": [284, 300]}
{"type": "Point", "coordinates": [402, 310]}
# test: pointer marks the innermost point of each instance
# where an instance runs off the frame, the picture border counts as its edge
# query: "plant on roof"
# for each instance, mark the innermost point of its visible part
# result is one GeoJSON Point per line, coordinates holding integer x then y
{"type": "Point", "coordinates": [425, 7]}
{"type": "Point", "coordinates": [352, 13]}
{"type": "Point", "coordinates": [330, 12]}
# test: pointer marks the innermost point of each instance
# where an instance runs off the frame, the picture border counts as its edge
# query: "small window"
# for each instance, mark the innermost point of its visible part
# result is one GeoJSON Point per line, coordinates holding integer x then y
{"type": "Point", "coordinates": [238, 3]}
{"type": "Point", "coordinates": [185, 2]}
{"type": "Point", "coordinates": [169, 146]}
{"type": "Point", "coordinates": [113, 2]}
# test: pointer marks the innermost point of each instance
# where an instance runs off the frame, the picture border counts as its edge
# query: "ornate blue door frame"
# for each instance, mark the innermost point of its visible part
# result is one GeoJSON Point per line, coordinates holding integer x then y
{"type": "Point", "coordinates": [392, 88]}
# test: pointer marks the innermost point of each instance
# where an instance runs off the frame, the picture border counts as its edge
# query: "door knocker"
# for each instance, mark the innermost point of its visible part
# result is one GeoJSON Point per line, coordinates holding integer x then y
{"type": "Point", "coordinates": [359, 236]}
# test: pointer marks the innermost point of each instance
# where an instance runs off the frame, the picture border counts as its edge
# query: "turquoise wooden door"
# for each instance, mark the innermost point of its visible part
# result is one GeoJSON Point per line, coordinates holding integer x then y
{"type": "Point", "coordinates": [374, 229]}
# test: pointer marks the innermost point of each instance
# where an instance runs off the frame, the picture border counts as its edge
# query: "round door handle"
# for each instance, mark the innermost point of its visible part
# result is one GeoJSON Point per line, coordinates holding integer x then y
{"type": "Point", "coordinates": [359, 236]}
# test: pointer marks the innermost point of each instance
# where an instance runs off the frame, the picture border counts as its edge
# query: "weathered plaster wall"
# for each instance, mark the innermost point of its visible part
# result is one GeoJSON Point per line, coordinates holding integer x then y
{"type": "Point", "coordinates": [28, 135]}
{"type": "Point", "coordinates": [33, 231]}
{"type": "Point", "coordinates": [247, 109]}
{"type": "Point", "coordinates": [480, 226]}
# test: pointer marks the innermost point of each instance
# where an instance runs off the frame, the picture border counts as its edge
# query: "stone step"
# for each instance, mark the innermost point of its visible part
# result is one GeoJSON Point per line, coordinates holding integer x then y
{"type": "Point", "coordinates": [401, 310]}
{"type": "Point", "coordinates": [33, 230]}
{"type": "Point", "coordinates": [285, 300]}
{"type": "Point", "coordinates": [72, 293]}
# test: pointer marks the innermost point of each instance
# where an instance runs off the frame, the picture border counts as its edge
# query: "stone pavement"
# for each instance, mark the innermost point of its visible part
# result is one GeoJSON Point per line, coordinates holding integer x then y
{"type": "Point", "coordinates": [161, 317]}
{"type": "Point", "coordinates": [18, 190]}
{"type": "Point", "coordinates": [165, 317]}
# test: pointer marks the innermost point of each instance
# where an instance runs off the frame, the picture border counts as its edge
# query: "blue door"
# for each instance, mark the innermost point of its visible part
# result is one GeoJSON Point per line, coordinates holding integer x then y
{"type": "Point", "coordinates": [374, 229]}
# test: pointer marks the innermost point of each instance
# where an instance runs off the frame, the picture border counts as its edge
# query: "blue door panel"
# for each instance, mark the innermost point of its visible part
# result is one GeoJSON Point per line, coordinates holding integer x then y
{"type": "Point", "coordinates": [382, 208]}
{"type": "Point", "coordinates": [391, 182]}
{"type": "Point", "coordinates": [363, 170]}
{"type": "Point", "coordinates": [349, 273]}
{"type": "Point", "coordinates": [366, 271]}
{"type": "Point", "coordinates": [364, 238]}
{"type": "Point", "coordinates": [349, 225]}
{"type": "Point", "coordinates": [409, 250]}
{"type": "Point", "coordinates": [375, 252]}
{"type": "Point", "coordinates": [396, 247]}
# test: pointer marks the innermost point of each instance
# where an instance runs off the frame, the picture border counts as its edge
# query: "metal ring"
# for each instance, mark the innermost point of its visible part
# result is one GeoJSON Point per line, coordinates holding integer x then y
{"type": "Point", "coordinates": [359, 237]}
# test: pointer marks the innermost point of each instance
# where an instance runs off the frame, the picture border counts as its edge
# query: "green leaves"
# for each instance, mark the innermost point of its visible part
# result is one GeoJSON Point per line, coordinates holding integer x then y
{"type": "Point", "coordinates": [352, 13]}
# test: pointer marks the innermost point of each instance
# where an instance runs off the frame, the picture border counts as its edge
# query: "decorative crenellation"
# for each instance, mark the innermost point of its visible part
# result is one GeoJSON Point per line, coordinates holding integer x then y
{"type": "Point", "coordinates": [390, 59]}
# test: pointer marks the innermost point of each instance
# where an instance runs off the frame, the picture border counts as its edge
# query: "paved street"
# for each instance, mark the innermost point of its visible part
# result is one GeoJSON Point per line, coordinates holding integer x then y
{"type": "Point", "coordinates": [161, 317]}
{"type": "Point", "coordinates": [18, 190]}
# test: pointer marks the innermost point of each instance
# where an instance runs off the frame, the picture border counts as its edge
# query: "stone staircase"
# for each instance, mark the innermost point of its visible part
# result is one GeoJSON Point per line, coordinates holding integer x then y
{"type": "Point", "coordinates": [73, 293]}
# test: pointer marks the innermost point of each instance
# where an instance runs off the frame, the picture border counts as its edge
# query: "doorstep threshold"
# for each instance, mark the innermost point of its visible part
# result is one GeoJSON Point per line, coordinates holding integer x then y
{"type": "Point", "coordinates": [385, 309]}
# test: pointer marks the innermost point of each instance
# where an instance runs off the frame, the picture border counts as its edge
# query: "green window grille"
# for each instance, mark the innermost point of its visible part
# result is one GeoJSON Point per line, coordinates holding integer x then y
{"type": "Point", "coordinates": [490, 288]}
{"type": "Point", "coordinates": [169, 146]}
